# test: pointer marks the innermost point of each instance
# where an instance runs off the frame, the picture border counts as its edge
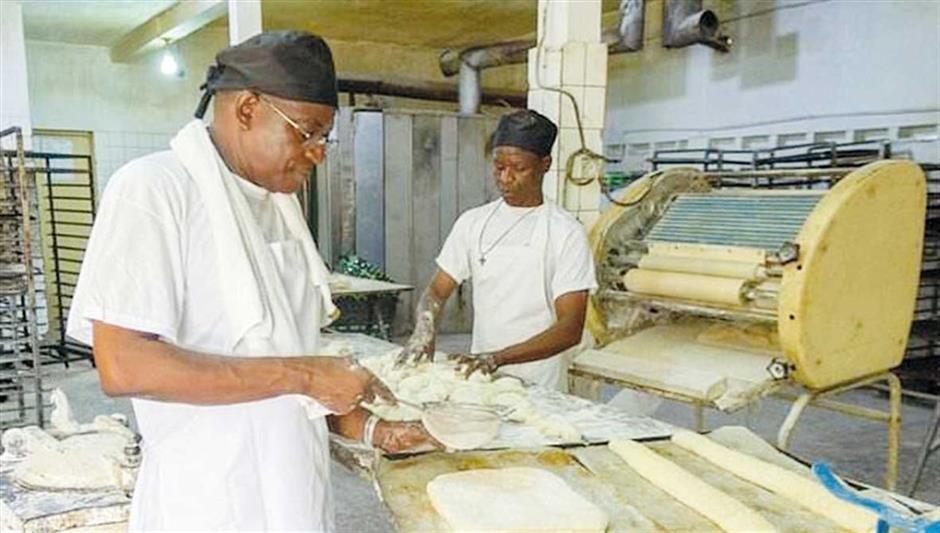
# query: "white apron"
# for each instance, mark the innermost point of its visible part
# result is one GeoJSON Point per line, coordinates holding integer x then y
{"type": "Point", "coordinates": [512, 302]}
{"type": "Point", "coordinates": [260, 465]}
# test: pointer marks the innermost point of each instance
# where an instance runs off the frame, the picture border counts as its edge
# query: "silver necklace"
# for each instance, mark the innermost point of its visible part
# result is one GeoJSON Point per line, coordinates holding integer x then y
{"type": "Point", "coordinates": [486, 222]}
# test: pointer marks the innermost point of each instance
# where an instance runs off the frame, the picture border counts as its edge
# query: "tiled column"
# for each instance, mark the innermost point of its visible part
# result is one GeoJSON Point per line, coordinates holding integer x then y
{"type": "Point", "coordinates": [572, 58]}
{"type": "Point", "coordinates": [244, 20]}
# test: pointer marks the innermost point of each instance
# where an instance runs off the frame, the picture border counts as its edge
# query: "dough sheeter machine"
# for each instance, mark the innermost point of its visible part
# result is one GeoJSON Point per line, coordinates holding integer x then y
{"type": "Point", "coordinates": [717, 295]}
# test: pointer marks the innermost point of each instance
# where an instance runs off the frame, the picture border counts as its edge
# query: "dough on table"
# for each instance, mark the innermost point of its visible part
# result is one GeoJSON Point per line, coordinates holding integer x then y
{"type": "Point", "coordinates": [800, 490]}
{"type": "Point", "coordinates": [83, 462]}
{"type": "Point", "coordinates": [459, 427]}
{"type": "Point", "coordinates": [729, 513]}
{"type": "Point", "coordinates": [518, 499]}
{"type": "Point", "coordinates": [431, 382]}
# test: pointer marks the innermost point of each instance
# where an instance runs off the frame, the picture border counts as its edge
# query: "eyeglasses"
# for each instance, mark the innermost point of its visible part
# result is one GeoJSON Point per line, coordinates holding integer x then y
{"type": "Point", "coordinates": [317, 139]}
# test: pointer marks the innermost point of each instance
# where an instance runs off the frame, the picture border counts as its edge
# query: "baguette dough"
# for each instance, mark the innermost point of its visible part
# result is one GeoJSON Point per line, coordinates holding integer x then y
{"type": "Point", "coordinates": [729, 513]}
{"type": "Point", "coordinates": [518, 499]}
{"type": "Point", "coordinates": [798, 489]}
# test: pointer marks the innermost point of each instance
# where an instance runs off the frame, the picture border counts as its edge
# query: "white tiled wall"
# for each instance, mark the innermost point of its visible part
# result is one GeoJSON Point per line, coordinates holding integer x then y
{"type": "Point", "coordinates": [115, 148]}
{"type": "Point", "coordinates": [131, 108]}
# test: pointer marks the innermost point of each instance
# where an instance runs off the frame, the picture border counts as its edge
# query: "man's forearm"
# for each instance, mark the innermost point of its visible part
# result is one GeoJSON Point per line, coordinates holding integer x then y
{"type": "Point", "coordinates": [349, 425]}
{"type": "Point", "coordinates": [428, 311]}
{"type": "Point", "coordinates": [134, 364]}
{"type": "Point", "coordinates": [557, 338]}
{"type": "Point", "coordinates": [563, 334]}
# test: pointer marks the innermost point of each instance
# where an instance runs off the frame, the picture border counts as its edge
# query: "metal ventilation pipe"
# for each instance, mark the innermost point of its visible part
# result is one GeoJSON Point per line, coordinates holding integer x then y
{"type": "Point", "coordinates": [685, 23]}
{"type": "Point", "coordinates": [470, 61]}
{"type": "Point", "coordinates": [470, 93]}
{"type": "Point", "coordinates": [627, 36]}
{"type": "Point", "coordinates": [493, 55]}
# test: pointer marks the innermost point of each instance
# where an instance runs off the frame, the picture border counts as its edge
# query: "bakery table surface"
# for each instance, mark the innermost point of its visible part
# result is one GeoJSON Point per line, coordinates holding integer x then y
{"type": "Point", "coordinates": [47, 510]}
{"type": "Point", "coordinates": [344, 285]}
{"type": "Point", "coordinates": [631, 502]}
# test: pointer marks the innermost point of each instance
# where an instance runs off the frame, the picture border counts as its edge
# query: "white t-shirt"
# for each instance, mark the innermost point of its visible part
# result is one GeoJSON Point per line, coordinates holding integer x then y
{"type": "Point", "coordinates": [573, 265]}
{"type": "Point", "coordinates": [261, 203]}
{"type": "Point", "coordinates": [151, 261]}
{"type": "Point", "coordinates": [151, 264]}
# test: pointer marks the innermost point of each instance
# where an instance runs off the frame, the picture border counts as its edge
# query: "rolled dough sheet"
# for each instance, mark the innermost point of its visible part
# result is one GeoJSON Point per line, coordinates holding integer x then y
{"type": "Point", "coordinates": [700, 384]}
{"type": "Point", "coordinates": [669, 357]}
{"type": "Point", "coordinates": [685, 286]}
{"type": "Point", "coordinates": [515, 499]}
{"type": "Point", "coordinates": [698, 265]}
{"type": "Point", "coordinates": [800, 490]}
{"type": "Point", "coordinates": [729, 513]}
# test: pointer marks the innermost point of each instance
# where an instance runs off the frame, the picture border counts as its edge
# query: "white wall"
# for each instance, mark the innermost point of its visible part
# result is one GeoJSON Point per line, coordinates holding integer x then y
{"type": "Point", "coordinates": [799, 71]}
{"type": "Point", "coordinates": [14, 95]}
{"type": "Point", "coordinates": [132, 109]}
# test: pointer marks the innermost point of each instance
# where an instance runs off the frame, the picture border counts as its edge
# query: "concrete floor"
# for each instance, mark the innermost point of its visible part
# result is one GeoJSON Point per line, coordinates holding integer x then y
{"type": "Point", "coordinates": [856, 448]}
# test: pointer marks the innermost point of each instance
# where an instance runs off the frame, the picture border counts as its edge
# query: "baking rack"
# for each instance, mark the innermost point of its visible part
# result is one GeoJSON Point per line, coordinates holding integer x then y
{"type": "Point", "coordinates": [22, 396]}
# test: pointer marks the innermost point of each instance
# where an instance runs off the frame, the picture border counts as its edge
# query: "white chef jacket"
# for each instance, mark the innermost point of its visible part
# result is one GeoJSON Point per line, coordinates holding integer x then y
{"type": "Point", "coordinates": [531, 256]}
{"type": "Point", "coordinates": [152, 265]}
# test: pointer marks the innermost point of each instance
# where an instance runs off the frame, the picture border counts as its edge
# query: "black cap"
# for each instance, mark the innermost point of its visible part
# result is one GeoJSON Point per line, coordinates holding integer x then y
{"type": "Point", "coordinates": [295, 65]}
{"type": "Point", "coordinates": [528, 130]}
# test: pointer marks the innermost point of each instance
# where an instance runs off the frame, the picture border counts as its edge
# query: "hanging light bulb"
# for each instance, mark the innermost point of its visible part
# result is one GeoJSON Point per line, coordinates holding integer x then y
{"type": "Point", "coordinates": [168, 64]}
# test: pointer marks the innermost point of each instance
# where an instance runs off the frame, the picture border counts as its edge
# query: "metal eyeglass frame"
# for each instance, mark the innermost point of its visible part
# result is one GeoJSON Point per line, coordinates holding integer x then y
{"type": "Point", "coordinates": [317, 140]}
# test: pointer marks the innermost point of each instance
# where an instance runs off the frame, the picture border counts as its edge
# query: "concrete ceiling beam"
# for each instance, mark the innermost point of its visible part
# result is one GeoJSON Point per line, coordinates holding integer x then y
{"type": "Point", "coordinates": [168, 26]}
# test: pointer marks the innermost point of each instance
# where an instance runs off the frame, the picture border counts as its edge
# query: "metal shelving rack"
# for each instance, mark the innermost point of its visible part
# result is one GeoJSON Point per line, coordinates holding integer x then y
{"type": "Point", "coordinates": [69, 212]}
{"type": "Point", "coordinates": [22, 396]}
{"type": "Point", "coordinates": [66, 202]}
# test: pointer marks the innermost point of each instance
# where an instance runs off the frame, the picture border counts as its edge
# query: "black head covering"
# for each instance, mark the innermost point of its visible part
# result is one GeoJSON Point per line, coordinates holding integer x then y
{"type": "Point", "coordinates": [528, 130]}
{"type": "Point", "coordinates": [296, 65]}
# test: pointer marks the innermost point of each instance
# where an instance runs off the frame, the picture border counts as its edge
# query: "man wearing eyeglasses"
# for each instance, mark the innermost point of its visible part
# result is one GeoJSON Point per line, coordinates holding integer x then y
{"type": "Point", "coordinates": [203, 294]}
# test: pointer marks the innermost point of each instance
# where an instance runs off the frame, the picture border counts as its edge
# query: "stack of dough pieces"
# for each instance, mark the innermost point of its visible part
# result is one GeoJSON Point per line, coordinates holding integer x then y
{"type": "Point", "coordinates": [729, 513]}
{"type": "Point", "coordinates": [427, 383]}
{"type": "Point", "coordinates": [518, 499]}
{"type": "Point", "coordinates": [800, 490]}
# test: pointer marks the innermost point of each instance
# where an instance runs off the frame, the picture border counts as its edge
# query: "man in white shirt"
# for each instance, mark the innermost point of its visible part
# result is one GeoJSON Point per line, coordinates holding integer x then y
{"type": "Point", "coordinates": [202, 294]}
{"type": "Point", "coordinates": [529, 263]}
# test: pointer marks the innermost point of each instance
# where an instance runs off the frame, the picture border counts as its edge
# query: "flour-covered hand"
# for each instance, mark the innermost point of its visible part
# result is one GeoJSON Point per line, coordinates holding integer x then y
{"type": "Point", "coordinates": [467, 364]}
{"type": "Point", "coordinates": [339, 383]}
{"type": "Point", "coordinates": [416, 350]}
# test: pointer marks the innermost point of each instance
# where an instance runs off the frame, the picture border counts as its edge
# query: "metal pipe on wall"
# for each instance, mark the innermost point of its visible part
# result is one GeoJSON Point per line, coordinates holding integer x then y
{"type": "Point", "coordinates": [493, 55]}
{"type": "Point", "coordinates": [685, 23]}
{"type": "Point", "coordinates": [427, 91]}
{"type": "Point", "coordinates": [469, 89]}
{"type": "Point", "coordinates": [627, 35]}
